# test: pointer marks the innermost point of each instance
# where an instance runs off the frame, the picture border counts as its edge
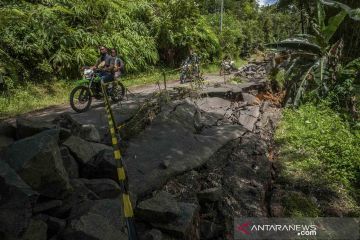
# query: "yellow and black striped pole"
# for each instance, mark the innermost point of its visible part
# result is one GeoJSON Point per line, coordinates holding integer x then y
{"type": "Point", "coordinates": [123, 182]}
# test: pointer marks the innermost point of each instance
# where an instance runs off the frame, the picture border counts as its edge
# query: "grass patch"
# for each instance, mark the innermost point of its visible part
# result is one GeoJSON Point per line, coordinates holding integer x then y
{"type": "Point", "coordinates": [319, 153]}
{"type": "Point", "coordinates": [298, 205]}
{"type": "Point", "coordinates": [150, 77]}
{"type": "Point", "coordinates": [215, 67]}
{"type": "Point", "coordinates": [31, 96]}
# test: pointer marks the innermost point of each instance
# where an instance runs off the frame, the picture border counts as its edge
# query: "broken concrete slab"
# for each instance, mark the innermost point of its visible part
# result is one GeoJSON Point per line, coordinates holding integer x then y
{"type": "Point", "coordinates": [185, 225]}
{"type": "Point", "coordinates": [160, 208]}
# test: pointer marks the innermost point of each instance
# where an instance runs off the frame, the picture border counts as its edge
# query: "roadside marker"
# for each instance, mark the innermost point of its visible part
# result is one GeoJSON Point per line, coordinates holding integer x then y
{"type": "Point", "coordinates": [121, 172]}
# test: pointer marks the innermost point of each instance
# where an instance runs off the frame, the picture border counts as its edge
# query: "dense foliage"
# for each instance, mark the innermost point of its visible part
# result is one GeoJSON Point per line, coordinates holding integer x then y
{"type": "Point", "coordinates": [47, 39]}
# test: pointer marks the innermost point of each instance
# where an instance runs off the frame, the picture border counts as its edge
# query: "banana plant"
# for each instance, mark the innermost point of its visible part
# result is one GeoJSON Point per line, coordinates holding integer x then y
{"type": "Point", "coordinates": [313, 55]}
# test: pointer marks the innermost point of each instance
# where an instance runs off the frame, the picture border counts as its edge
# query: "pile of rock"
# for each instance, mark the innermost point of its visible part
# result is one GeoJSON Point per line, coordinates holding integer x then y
{"type": "Point", "coordinates": [254, 70]}
{"type": "Point", "coordinates": [55, 184]}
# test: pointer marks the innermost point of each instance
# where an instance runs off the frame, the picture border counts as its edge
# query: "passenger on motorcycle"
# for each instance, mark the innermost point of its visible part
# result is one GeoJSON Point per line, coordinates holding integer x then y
{"type": "Point", "coordinates": [105, 65]}
{"type": "Point", "coordinates": [118, 64]}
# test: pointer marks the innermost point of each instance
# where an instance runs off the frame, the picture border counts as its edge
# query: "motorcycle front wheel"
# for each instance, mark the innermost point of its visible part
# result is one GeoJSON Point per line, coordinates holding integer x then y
{"type": "Point", "coordinates": [182, 78]}
{"type": "Point", "coordinates": [80, 99]}
{"type": "Point", "coordinates": [117, 92]}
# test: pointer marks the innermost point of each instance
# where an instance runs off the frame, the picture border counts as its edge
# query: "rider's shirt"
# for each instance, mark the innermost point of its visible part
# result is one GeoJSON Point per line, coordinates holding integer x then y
{"type": "Point", "coordinates": [105, 61]}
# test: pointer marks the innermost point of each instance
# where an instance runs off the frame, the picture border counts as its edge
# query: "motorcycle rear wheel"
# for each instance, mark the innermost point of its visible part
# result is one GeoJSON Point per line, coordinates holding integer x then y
{"type": "Point", "coordinates": [84, 99]}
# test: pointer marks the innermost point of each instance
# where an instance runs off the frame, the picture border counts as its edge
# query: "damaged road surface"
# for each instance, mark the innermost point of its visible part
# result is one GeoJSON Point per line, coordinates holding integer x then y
{"type": "Point", "coordinates": [195, 163]}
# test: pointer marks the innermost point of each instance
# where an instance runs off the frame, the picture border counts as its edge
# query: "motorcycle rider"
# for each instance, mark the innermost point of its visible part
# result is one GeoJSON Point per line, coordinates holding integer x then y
{"type": "Point", "coordinates": [194, 60]}
{"type": "Point", "coordinates": [118, 64]}
{"type": "Point", "coordinates": [105, 65]}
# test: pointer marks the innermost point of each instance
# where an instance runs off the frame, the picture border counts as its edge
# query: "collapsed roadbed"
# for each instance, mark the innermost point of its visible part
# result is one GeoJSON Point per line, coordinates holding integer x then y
{"type": "Point", "coordinates": [197, 161]}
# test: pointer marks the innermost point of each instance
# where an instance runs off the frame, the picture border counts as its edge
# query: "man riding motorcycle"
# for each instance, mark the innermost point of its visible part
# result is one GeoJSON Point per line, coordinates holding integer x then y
{"type": "Point", "coordinates": [105, 65]}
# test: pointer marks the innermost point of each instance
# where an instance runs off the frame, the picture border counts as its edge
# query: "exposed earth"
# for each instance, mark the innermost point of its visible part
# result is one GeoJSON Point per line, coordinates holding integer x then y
{"type": "Point", "coordinates": [195, 160]}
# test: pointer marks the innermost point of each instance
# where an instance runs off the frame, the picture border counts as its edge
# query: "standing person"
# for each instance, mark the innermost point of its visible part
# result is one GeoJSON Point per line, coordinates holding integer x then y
{"type": "Point", "coordinates": [118, 64]}
{"type": "Point", "coordinates": [105, 65]}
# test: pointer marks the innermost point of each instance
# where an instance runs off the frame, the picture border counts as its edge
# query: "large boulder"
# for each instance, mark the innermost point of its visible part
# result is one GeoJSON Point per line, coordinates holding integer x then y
{"type": "Point", "coordinates": [82, 150]}
{"type": "Point", "coordinates": [16, 202]}
{"type": "Point", "coordinates": [96, 220]}
{"type": "Point", "coordinates": [28, 128]}
{"type": "Point", "coordinates": [38, 162]}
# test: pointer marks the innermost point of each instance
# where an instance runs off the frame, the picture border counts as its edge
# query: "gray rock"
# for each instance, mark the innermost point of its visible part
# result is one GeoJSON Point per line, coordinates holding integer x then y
{"type": "Point", "coordinates": [153, 234]}
{"type": "Point", "coordinates": [185, 225]}
{"type": "Point", "coordinates": [37, 230]}
{"type": "Point", "coordinates": [7, 130]}
{"type": "Point", "coordinates": [250, 99]}
{"type": "Point", "coordinates": [160, 208]}
{"type": "Point", "coordinates": [70, 163]}
{"type": "Point", "coordinates": [16, 201]}
{"type": "Point", "coordinates": [28, 128]}
{"type": "Point", "coordinates": [104, 188]}
{"type": "Point", "coordinates": [209, 230]}
{"type": "Point", "coordinates": [247, 121]}
{"type": "Point", "coordinates": [165, 164]}
{"type": "Point", "coordinates": [84, 151]}
{"type": "Point", "coordinates": [87, 132]}
{"type": "Point", "coordinates": [45, 206]}
{"type": "Point", "coordinates": [54, 225]}
{"type": "Point", "coordinates": [5, 141]}
{"type": "Point", "coordinates": [38, 162]}
{"type": "Point", "coordinates": [211, 194]}
{"type": "Point", "coordinates": [253, 111]}
{"type": "Point", "coordinates": [101, 166]}
{"type": "Point", "coordinates": [96, 220]}
{"type": "Point", "coordinates": [80, 194]}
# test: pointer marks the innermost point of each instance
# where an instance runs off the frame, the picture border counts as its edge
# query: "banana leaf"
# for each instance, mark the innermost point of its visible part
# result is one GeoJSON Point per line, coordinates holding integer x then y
{"type": "Point", "coordinates": [297, 44]}
{"type": "Point", "coordinates": [353, 13]}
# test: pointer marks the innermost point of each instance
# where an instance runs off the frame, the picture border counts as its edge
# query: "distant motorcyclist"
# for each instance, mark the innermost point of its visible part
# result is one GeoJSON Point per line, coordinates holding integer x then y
{"type": "Point", "coordinates": [105, 65]}
{"type": "Point", "coordinates": [118, 64]}
{"type": "Point", "coordinates": [194, 60]}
